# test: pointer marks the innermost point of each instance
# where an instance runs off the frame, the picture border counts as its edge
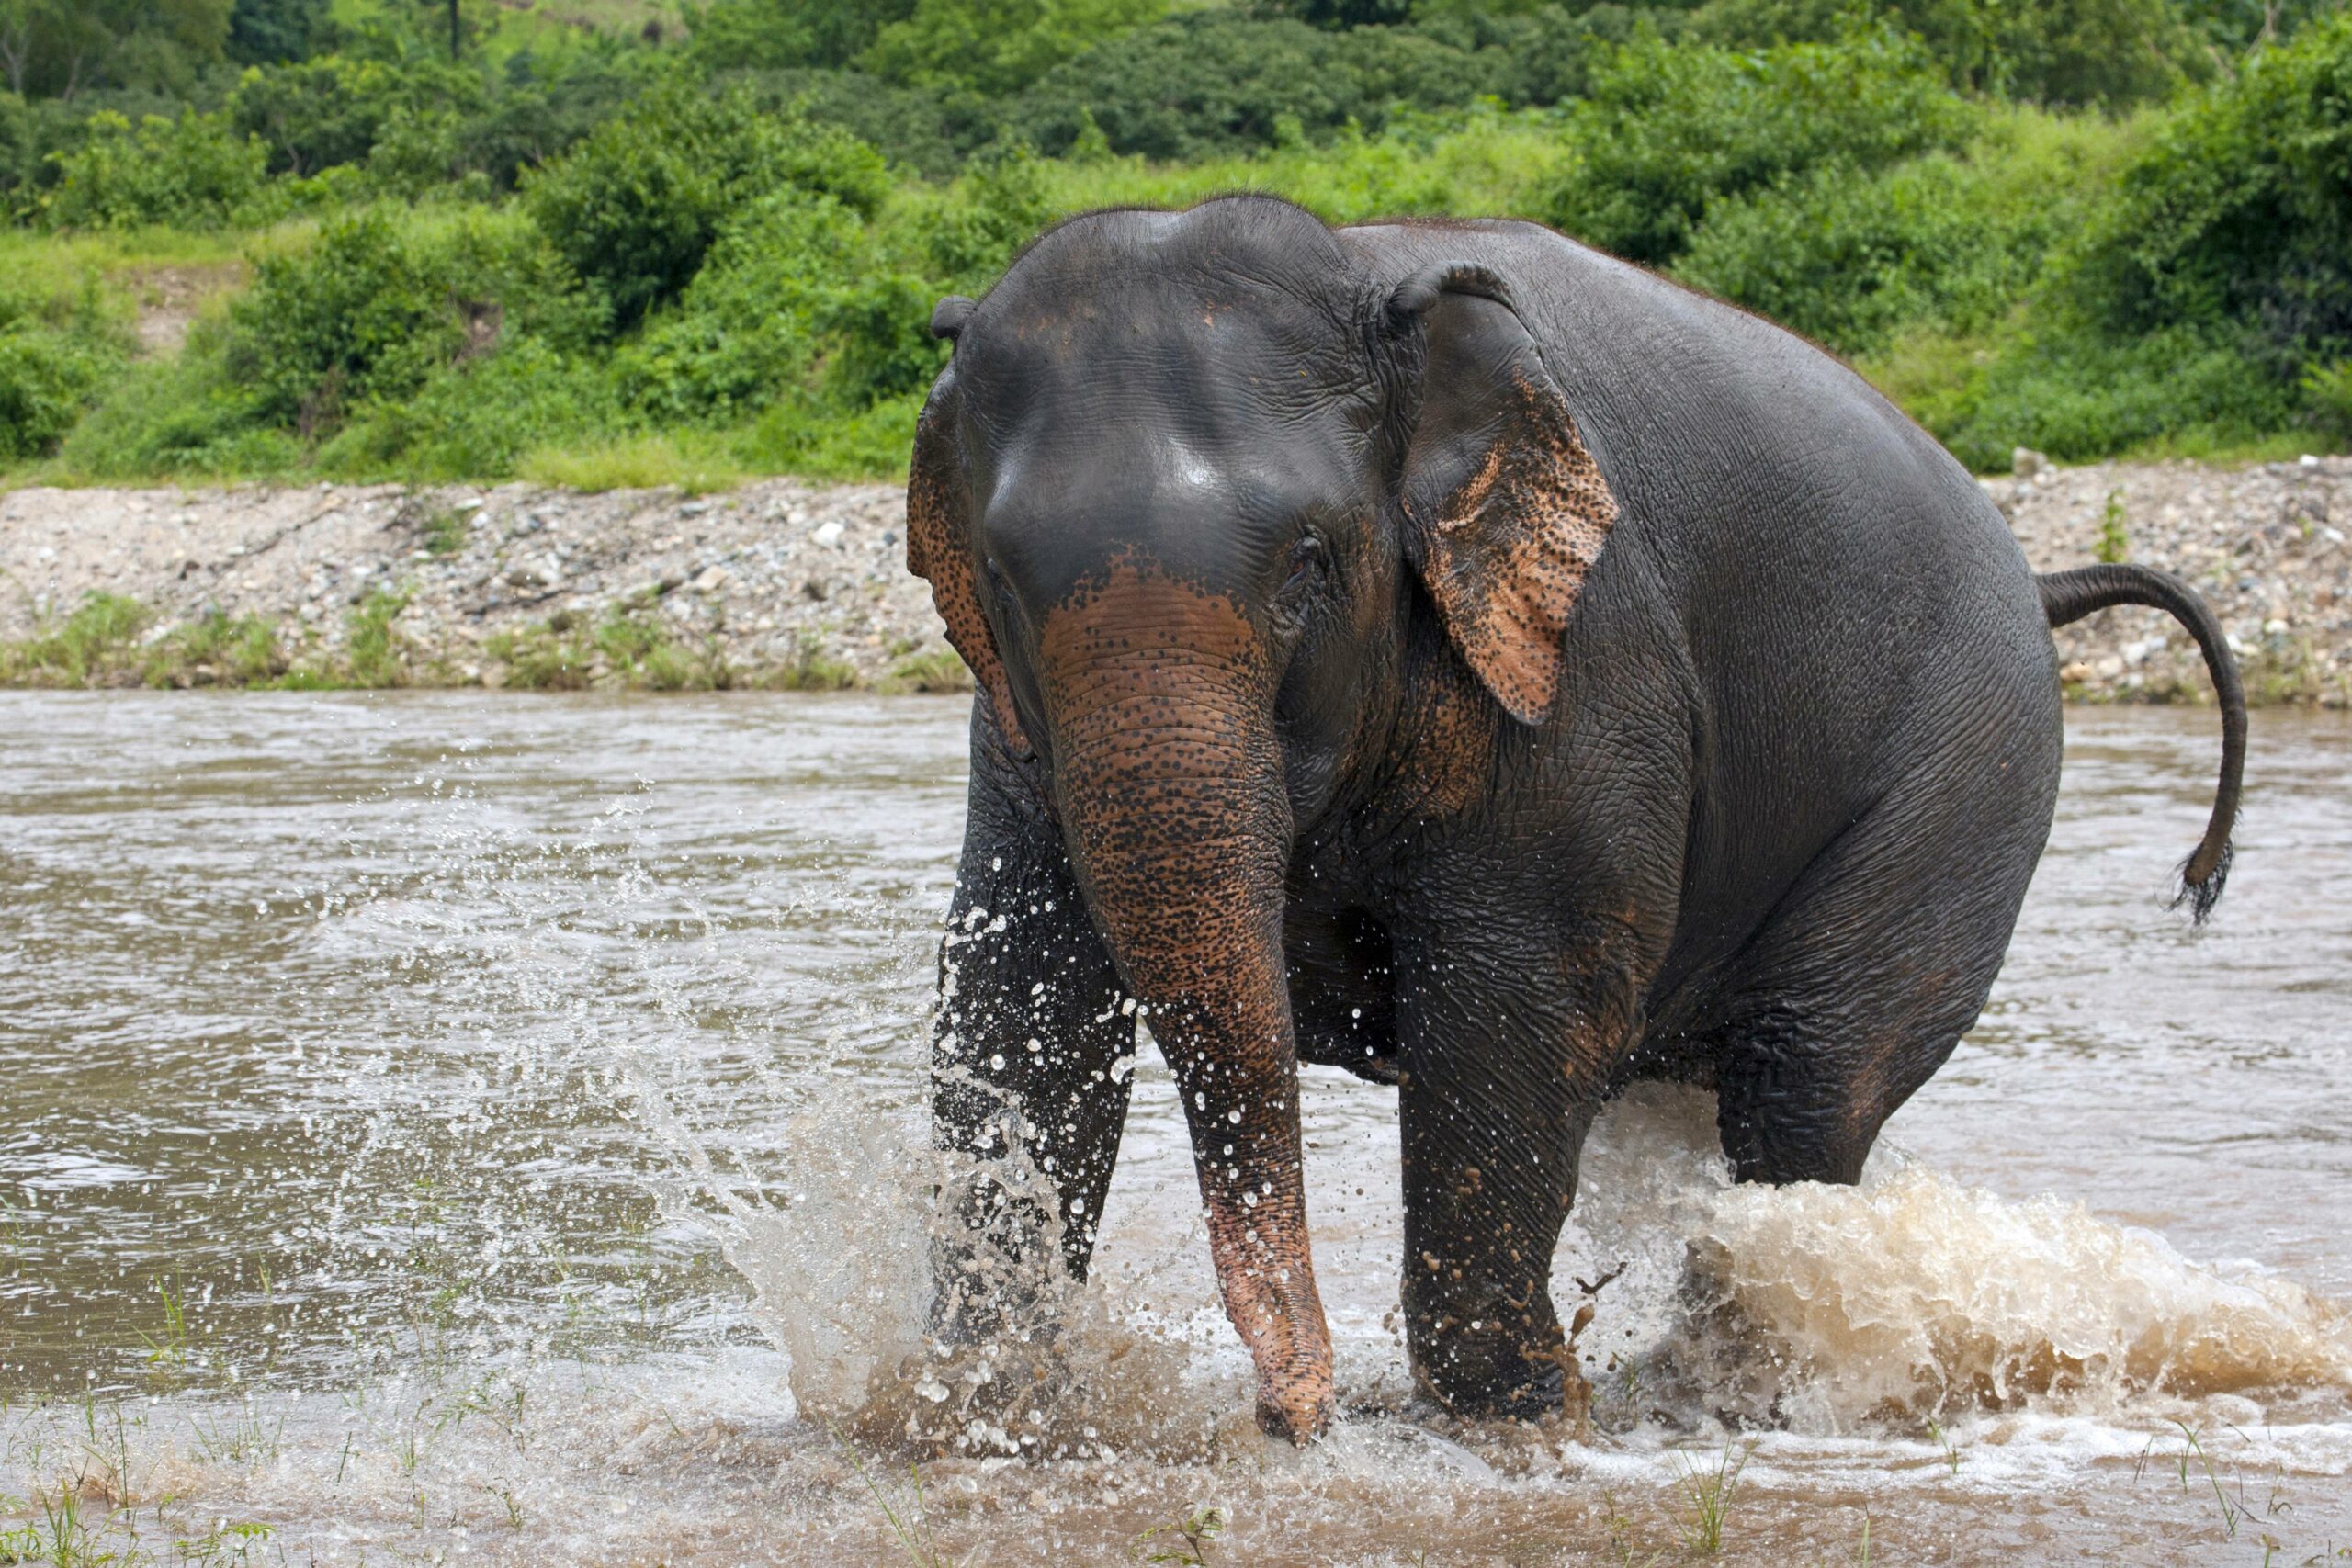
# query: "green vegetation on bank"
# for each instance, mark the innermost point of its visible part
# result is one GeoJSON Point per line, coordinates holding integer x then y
{"type": "Point", "coordinates": [109, 639]}
{"type": "Point", "coordinates": [615, 243]}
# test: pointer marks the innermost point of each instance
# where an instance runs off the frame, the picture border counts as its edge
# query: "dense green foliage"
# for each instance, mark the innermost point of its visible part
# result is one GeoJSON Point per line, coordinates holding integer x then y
{"type": "Point", "coordinates": [2087, 226]}
{"type": "Point", "coordinates": [1670, 132]}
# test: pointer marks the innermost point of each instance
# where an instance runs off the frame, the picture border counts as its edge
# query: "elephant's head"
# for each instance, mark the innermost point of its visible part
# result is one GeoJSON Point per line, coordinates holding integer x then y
{"type": "Point", "coordinates": [1178, 496]}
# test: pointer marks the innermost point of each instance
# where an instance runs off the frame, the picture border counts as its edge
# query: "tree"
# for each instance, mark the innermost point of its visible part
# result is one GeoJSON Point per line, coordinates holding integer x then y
{"type": "Point", "coordinates": [57, 48]}
{"type": "Point", "coordinates": [274, 32]}
{"type": "Point", "coordinates": [995, 47]}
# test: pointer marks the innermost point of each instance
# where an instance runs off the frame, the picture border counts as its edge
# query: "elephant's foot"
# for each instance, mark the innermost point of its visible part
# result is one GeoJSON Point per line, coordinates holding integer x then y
{"type": "Point", "coordinates": [1484, 1368]}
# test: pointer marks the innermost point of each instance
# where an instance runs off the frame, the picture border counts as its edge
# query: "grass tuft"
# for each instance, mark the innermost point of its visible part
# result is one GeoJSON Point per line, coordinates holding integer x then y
{"type": "Point", "coordinates": [813, 670]}
{"type": "Point", "coordinates": [691, 465]}
{"type": "Point", "coordinates": [937, 670]}
{"type": "Point", "coordinates": [1709, 1492]}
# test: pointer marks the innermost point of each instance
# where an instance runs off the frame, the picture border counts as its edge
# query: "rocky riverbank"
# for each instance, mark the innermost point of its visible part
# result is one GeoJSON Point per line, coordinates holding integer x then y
{"type": "Point", "coordinates": [2266, 545]}
{"type": "Point", "coordinates": [776, 584]}
{"type": "Point", "coordinates": [787, 584]}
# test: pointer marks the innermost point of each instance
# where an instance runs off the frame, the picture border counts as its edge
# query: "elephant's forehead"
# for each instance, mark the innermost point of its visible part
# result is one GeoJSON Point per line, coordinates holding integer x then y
{"type": "Point", "coordinates": [1182, 352]}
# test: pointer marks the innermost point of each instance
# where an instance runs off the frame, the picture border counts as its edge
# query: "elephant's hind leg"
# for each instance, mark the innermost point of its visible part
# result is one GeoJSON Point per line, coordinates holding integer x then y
{"type": "Point", "coordinates": [1870, 972]}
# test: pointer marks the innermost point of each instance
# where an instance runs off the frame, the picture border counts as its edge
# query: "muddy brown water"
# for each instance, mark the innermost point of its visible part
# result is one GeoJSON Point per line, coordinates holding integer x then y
{"type": "Point", "coordinates": [448, 1128]}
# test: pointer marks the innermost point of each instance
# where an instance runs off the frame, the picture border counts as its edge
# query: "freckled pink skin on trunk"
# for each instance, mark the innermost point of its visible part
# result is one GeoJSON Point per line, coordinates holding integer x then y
{"type": "Point", "coordinates": [1169, 782]}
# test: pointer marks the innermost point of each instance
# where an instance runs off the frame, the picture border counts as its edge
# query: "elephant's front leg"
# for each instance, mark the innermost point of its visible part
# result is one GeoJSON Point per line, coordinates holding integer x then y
{"type": "Point", "coordinates": [1504, 1059]}
{"type": "Point", "coordinates": [1030, 1066]}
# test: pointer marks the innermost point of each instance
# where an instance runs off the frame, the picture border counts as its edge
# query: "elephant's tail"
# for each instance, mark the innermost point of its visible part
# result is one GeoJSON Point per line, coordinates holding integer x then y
{"type": "Point", "coordinates": [2070, 596]}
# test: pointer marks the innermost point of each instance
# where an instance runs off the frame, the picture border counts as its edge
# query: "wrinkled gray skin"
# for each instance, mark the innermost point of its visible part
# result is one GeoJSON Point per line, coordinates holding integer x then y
{"type": "Point", "coordinates": [1251, 529]}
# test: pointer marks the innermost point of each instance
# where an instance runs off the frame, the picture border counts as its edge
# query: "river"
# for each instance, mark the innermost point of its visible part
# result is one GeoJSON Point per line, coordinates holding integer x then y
{"type": "Point", "coordinates": [442, 1127]}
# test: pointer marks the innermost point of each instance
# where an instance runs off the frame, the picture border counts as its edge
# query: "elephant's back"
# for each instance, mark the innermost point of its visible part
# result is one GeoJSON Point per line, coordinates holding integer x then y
{"type": "Point", "coordinates": [1849, 605]}
{"type": "Point", "coordinates": [1789, 515]}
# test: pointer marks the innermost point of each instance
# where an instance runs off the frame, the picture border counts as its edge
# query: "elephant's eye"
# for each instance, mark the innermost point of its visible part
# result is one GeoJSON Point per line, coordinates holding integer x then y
{"type": "Point", "coordinates": [1308, 560]}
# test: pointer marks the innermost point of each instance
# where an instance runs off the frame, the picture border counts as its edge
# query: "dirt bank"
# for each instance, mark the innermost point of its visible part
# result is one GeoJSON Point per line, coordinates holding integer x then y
{"type": "Point", "coordinates": [784, 583]}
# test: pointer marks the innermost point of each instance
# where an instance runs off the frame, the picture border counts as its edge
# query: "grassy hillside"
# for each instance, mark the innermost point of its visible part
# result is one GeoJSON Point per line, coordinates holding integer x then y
{"type": "Point", "coordinates": [584, 252]}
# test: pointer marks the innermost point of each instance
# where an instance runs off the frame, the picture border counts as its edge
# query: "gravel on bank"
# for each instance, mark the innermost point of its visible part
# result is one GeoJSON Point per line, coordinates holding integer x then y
{"type": "Point", "coordinates": [2266, 545]}
{"type": "Point", "coordinates": [793, 584]}
{"type": "Point", "coordinates": [777, 583]}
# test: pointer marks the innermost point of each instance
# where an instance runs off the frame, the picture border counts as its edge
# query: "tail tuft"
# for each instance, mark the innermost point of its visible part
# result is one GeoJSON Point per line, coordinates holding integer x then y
{"type": "Point", "coordinates": [2200, 893]}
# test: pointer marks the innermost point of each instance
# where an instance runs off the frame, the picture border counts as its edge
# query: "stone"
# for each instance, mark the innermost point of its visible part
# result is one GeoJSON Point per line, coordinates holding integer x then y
{"type": "Point", "coordinates": [2026, 463]}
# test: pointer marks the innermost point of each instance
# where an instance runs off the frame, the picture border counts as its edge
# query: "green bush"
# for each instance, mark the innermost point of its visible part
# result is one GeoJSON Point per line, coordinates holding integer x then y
{"type": "Point", "coordinates": [189, 418]}
{"type": "Point", "coordinates": [1667, 129]}
{"type": "Point", "coordinates": [2108, 53]}
{"type": "Point", "coordinates": [2327, 398]}
{"type": "Point", "coordinates": [2238, 218]}
{"type": "Point", "coordinates": [1554, 57]}
{"type": "Point", "coordinates": [911, 127]}
{"type": "Point", "coordinates": [1846, 259]}
{"type": "Point", "coordinates": [195, 172]}
{"type": "Point", "coordinates": [478, 418]}
{"type": "Point", "coordinates": [636, 207]}
{"type": "Point", "coordinates": [314, 115]}
{"type": "Point", "coordinates": [1952, 241]}
{"type": "Point", "coordinates": [17, 157]}
{"type": "Point", "coordinates": [1212, 81]}
{"type": "Point", "coordinates": [767, 35]}
{"type": "Point", "coordinates": [53, 361]}
{"type": "Point", "coordinates": [47, 380]}
{"type": "Point", "coordinates": [2080, 398]}
{"type": "Point", "coordinates": [963, 237]}
{"type": "Point", "coordinates": [264, 33]}
{"type": "Point", "coordinates": [370, 310]}
{"type": "Point", "coordinates": [746, 329]}
{"type": "Point", "coordinates": [996, 47]}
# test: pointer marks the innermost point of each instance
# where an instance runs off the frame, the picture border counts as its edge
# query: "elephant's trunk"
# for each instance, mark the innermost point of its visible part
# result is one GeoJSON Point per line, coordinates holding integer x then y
{"type": "Point", "coordinates": [1169, 781]}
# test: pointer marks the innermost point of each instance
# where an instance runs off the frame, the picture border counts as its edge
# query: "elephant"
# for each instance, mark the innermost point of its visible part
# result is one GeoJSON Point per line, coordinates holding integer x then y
{"type": "Point", "coordinates": [1442, 651]}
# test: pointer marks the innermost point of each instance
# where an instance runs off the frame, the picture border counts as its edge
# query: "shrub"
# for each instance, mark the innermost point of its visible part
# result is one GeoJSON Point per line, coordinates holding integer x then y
{"type": "Point", "coordinates": [745, 329]}
{"type": "Point", "coordinates": [2108, 53]}
{"type": "Point", "coordinates": [964, 237]}
{"type": "Point", "coordinates": [53, 364]}
{"type": "Point", "coordinates": [262, 32]}
{"type": "Point", "coordinates": [478, 418]}
{"type": "Point", "coordinates": [635, 208]}
{"type": "Point", "coordinates": [368, 311]}
{"type": "Point", "coordinates": [910, 126]}
{"type": "Point", "coordinates": [315, 115]}
{"type": "Point", "coordinates": [1846, 259]}
{"type": "Point", "coordinates": [996, 47]}
{"type": "Point", "coordinates": [1212, 81]}
{"type": "Point", "coordinates": [186, 417]}
{"type": "Point", "coordinates": [2327, 395]}
{"type": "Point", "coordinates": [17, 160]}
{"type": "Point", "coordinates": [543, 108]}
{"type": "Point", "coordinates": [2078, 397]}
{"type": "Point", "coordinates": [1556, 55]}
{"type": "Point", "coordinates": [2239, 214]}
{"type": "Point", "coordinates": [1669, 130]}
{"type": "Point", "coordinates": [47, 379]}
{"type": "Point", "coordinates": [784, 34]}
{"type": "Point", "coordinates": [1953, 240]}
{"type": "Point", "coordinates": [194, 172]}
{"type": "Point", "coordinates": [802, 435]}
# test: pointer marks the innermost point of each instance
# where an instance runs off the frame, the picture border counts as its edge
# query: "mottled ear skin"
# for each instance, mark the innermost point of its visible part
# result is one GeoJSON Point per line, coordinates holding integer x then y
{"type": "Point", "coordinates": [1505, 509]}
{"type": "Point", "coordinates": [939, 550]}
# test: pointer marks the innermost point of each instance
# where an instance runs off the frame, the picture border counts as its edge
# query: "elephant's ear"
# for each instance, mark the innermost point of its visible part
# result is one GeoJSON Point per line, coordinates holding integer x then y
{"type": "Point", "coordinates": [939, 550]}
{"type": "Point", "coordinates": [1505, 509]}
